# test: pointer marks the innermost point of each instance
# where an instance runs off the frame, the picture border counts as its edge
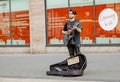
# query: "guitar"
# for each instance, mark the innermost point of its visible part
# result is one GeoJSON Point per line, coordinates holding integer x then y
{"type": "Point", "coordinates": [68, 38]}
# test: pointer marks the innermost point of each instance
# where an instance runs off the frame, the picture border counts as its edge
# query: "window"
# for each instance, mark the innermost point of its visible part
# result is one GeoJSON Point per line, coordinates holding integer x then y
{"type": "Point", "coordinates": [104, 36]}
{"type": "Point", "coordinates": [89, 14]}
{"type": "Point", "coordinates": [14, 22]}
{"type": "Point", "coordinates": [57, 14]}
{"type": "Point", "coordinates": [20, 22]}
{"type": "Point", "coordinates": [4, 22]}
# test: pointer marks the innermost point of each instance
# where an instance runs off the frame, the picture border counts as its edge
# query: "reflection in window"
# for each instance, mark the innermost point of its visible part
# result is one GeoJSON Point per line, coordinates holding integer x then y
{"type": "Point", "coordinates": [4, 22]}
{"type": "Point", "coordinates": [20, 22]}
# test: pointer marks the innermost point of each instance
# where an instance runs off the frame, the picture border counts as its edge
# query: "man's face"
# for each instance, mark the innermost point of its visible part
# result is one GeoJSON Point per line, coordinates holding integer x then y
{"type": "Point", "coordinates": [71, 15]}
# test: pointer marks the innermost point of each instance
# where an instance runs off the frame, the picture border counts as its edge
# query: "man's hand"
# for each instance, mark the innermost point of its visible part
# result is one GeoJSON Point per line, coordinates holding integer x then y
{"type": "Point", "coordinates": [76, 28]}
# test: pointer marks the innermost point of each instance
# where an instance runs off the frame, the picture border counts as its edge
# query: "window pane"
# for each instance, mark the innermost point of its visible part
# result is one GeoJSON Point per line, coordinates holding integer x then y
{"type": "Point", "coordinates": [57, 14]}
{"type": "Point", "coordinates": [108, 22]}
{"type": "Point", "coordinates": [81, 2]}
{"type": "Point", "coordinates": [20, 22]}
{"type": "Point", "coordinates": [85, 13]}
{"type": "Point", "coordinates": [4, 23]}
{"type": "Point", "coordinates": [56, 4]}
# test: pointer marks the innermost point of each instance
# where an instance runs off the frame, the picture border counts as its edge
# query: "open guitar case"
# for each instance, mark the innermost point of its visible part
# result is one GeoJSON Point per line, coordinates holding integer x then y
{"type": "Point", "coordinates": [72, 66]}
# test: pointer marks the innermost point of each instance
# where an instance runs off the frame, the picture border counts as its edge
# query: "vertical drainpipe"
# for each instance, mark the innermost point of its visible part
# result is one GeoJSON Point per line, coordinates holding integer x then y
{"type": "Point", "coordinates": [10, 19]}
{"type": "Point", "coordinates": [68, 5]}
{"type": "Point", "coordinates": [94, 11]}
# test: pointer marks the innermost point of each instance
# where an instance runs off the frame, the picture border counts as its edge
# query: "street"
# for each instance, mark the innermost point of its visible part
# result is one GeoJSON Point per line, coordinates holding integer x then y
{"type": "Point", "coordinates": [101, 66]}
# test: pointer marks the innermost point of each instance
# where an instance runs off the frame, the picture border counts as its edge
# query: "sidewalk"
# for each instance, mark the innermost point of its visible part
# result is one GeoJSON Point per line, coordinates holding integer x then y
{"type": "Point", "coordinates": [103, 67]}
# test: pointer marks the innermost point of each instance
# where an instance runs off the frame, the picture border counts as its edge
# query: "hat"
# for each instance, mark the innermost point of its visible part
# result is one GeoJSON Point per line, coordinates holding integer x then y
{"type": "Point", "coordinates": [73, 11]}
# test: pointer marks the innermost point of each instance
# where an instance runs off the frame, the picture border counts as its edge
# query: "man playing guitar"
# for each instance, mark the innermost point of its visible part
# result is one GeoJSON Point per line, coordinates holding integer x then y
{"type": "Point", "coordinates": [71, 31]}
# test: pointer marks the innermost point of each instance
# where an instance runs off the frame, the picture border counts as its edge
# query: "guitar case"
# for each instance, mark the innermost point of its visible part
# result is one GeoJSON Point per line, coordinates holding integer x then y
{"type": "Point", "coordinates": [72, 66]}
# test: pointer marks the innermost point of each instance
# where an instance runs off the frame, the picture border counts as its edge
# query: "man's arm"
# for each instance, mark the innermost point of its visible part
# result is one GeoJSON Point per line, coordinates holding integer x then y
{"type": "Point", "coordinates": [65, 32]}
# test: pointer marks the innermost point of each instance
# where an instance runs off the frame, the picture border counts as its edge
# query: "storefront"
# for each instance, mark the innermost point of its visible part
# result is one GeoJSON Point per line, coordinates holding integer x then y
{"type": "Point", "coordinates": [35, 26]}
{"type": "Point", "coordinates": [99, 19]}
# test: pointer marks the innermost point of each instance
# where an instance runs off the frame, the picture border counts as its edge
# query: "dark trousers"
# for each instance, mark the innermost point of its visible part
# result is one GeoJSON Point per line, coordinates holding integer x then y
{"type": "Point", "coordinates": [74, 49]}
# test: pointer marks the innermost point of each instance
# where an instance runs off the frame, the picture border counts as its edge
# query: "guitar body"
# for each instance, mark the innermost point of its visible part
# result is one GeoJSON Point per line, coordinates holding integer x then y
{"type": "Point", "coordinates": [66, 39]}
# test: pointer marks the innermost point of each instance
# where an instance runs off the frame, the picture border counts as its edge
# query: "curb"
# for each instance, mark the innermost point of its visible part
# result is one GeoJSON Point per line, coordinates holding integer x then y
{"type": "Point", "coordinates": [39, 80]}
